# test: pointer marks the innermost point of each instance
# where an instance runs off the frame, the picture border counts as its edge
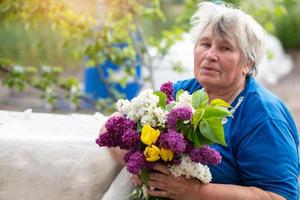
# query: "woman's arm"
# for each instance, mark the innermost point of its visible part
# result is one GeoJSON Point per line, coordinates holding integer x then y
{"type": "Point", "coordinates": [179, 188]}
{"type": "Point", "coordinates": [234, 192]}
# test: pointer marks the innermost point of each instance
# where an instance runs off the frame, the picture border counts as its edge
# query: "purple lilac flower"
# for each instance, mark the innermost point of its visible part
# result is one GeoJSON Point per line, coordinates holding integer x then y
{"type": "Point", "coordinates": [176, 160]}
{"type": "Point", "coordinates": [106, 139]}
{"type": "Point", "coordinates": [206, 155]}
{"type": "Point", "coordinates": [168, 89]}
{"type": "Point", "coordinates": [189, 147]}
{"type": "Point", "coordinates": [111, 140]}
{"type": "Point", "coordinates": [178, 114]}
{"type": "Point", "coordinates": [136, 162]}
{"type": "Point", "coordinates": [174, 141]}
{"type": "Point", "coordinates": [119, 124]}
{"type": "Point", "coordinates": [127, 155]}
{"type": "Point", "coordinates": [131, 139]}
{"type": "Point", "coordinates": [116, 126]}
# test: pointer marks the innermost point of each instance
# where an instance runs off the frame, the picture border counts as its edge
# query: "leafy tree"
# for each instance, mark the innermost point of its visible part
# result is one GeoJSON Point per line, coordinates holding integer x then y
{"type": "Point", "coordinates": [97, 40]}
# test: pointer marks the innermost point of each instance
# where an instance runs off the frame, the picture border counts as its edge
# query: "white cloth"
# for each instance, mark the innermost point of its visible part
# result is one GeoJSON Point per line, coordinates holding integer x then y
{"type": "Point", "coordinates": [121, 187]}
{"type": "Point", "coordinates": [53, 157]}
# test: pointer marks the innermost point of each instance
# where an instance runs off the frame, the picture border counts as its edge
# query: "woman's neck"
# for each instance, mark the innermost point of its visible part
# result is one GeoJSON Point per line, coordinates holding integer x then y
{"type": "Point", "coordinates": [227, 94]}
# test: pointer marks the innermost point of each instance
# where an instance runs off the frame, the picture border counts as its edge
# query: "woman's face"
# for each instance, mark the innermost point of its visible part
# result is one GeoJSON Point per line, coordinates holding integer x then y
{"type": "Point", "coordinates": [218, 62]}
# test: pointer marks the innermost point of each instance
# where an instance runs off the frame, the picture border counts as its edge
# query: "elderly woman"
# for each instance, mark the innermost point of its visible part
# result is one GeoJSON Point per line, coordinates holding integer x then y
{"type": "Point", "coordinates": [261, 159]}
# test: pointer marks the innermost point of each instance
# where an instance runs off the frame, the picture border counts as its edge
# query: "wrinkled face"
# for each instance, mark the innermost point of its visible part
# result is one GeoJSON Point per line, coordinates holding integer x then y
{"type": "Point", "coordinates": [218, 62]}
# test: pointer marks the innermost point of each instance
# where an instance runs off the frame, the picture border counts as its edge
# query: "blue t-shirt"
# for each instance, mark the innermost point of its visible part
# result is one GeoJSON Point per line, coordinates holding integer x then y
{"type": "Point", "coordinates": [262, 141]}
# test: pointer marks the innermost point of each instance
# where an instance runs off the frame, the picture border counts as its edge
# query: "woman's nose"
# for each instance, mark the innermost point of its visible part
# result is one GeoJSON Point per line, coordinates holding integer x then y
{"type": "Point", "coordinates": [211, 54]}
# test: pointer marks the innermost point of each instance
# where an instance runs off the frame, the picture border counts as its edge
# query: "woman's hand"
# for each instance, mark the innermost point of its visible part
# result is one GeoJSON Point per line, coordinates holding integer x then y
{"type": "Point", "coordinates": [136, 180]}
{"type": "Point", "coordinates": [179, 188]}
{"type": "Point", "coordinates": [166, 185]}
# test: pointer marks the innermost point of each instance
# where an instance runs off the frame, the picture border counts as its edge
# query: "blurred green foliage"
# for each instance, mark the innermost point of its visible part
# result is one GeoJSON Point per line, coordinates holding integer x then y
{"type": "Point", "coordinates": [43, 44]}
{"type": "Point", "coordinates": [48, 32]}
{"type": "Point", "coordinates": [279, 17]}
{"type": "Point", "coordinates": [288, 27]}
{"type": "Point", "coordinates": [46, 79]}
{"type": "Point", "coordinates": [267, 12]}
{"type": "Point", "coordinates": [39, 45]}
{"type": "Point", "coordinates": [41, 33]}
{"type": "Point", "coordinates": [94, 40]}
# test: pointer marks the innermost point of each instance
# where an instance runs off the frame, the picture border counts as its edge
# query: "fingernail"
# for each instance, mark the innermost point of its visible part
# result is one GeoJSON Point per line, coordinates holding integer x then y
{"type": "Point", "coordinates": [151, 188]}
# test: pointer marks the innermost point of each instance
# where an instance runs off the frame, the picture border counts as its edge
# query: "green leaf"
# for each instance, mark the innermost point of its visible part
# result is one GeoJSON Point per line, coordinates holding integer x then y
{"type": "Point", "coordinates": [177, 67]}
{"type": "Point", "coordinates": [202, 140]}
{"type": "Point", "coordinates": [186, 130]}
{"type": "Point", "coordinates": [219, 102]}
{"type": "Point", "coordinates": [169, 107]}
{"type": "Point", "coordinates": [216, 111]}
{"type": "Point", "coordinates": [138, 127]}
{"type": "Point", "coordinates": [145, 175]}
{"type": "Point", "coordinates": [179, 93]}
{"type": "Point", "coordinates": [123, 82]}
{"type": "Point", "coordinates": [195, 139]}
{"type": "Point", "coordinates": [212, 129]}
{"type": "Point", "coordinates": [189, 133]}
{"type": "Point", "coordinates": [269, 26]}
{"type": "Point", "coordinates": [162, 99]}
{"type": "Point", "coordinates": [199, 99]}
{"type": "Point", "coordinates": [279, 10]}
{"type": "Point", "coordinates": [137, 193]}
{"type": "Point", "coordinates": [197, 117]}
{"type": "Point", "coordinates": [90, 63]}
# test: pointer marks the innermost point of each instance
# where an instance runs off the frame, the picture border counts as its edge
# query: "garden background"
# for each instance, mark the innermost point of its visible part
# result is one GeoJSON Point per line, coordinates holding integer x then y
{"type": "Point", "coordinates": [46, 47]}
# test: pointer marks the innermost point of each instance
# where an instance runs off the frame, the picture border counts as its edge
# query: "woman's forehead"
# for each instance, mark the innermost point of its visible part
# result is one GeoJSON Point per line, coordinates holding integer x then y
{"type": "Point", "coordinates": [209, 34]}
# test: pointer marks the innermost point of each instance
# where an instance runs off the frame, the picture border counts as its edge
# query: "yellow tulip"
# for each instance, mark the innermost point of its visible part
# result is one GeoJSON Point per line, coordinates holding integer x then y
{"type": "Point", "coordinates": [149, 135]}
{"type": "Point", "coordinates": [166, 154]}
{"type": "Point", "coordinates": [152, 153]}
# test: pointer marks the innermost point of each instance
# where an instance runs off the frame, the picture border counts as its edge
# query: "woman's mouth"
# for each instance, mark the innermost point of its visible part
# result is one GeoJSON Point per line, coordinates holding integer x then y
{"type": "Point", "coordinates": [208, 69]}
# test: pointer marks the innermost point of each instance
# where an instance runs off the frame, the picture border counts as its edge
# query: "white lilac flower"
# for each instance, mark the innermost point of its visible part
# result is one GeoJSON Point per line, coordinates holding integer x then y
{"type": "Point", "coordinates": [161, 116]}
{"type": "Point", "coordinates": [123, 106]}
{"type": "Point", "coordinates": [143, 108]}
{"type": "Point", "coordinates": [145, 99]}
{"type": "Point", "coordinates": [154, 116]}
{"type": "Point", "coordinates": [133, 116]}
{"type": "Point", "coordinates": [142, 105]}
{"type": "Point", "coordinates": [148, 119]}
{"type": "Point", "coordinates": [190, 169]}
{"type": "Point", "coordinates": [184, 100]}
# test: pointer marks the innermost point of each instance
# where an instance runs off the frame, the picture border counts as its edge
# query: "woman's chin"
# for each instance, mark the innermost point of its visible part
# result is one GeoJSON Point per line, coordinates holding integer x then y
{"type": "Point", "coordinates": [208, 82]}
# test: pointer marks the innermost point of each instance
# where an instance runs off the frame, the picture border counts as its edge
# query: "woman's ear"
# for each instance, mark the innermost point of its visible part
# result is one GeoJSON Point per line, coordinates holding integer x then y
{"type": "Point", "coordinates": [247, 67]}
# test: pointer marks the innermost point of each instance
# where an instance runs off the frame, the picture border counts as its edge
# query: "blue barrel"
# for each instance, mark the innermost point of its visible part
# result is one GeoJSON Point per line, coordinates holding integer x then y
{"type": "Point", "coordinates": [94, 86]}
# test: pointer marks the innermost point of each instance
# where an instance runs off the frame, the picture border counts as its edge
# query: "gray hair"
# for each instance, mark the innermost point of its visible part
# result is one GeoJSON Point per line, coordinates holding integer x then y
{"type": "Point", "coordinates": [231, 22]}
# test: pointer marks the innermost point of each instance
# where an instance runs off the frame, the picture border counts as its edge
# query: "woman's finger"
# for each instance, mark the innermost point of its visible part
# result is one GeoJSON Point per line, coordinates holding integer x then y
{"type": "Point", "coordinates": [158, 193]}
{"type": "Point", "coordinates": [136, 180]}
{"type": "Point", "coordinates": [156, 185]}
{"type": "Point", "coordinates": [158, 177]}
{"type": "Point", "coordinates": [162, 168]}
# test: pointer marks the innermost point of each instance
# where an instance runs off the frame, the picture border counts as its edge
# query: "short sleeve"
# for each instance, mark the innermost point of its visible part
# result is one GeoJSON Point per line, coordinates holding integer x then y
{"type": "Point", "coordinates": [267, 158]}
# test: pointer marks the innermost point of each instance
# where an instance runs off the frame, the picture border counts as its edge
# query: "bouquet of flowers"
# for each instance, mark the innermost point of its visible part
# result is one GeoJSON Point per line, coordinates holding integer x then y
{"type": "Point", "coordinates": [157, 126]}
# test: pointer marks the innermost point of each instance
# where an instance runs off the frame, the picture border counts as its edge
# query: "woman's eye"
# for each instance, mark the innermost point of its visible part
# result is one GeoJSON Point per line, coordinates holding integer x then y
{"type": "Point", "coordinates": [205, 44]}
{"type": "Point", "coordinates": [225, 48]}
